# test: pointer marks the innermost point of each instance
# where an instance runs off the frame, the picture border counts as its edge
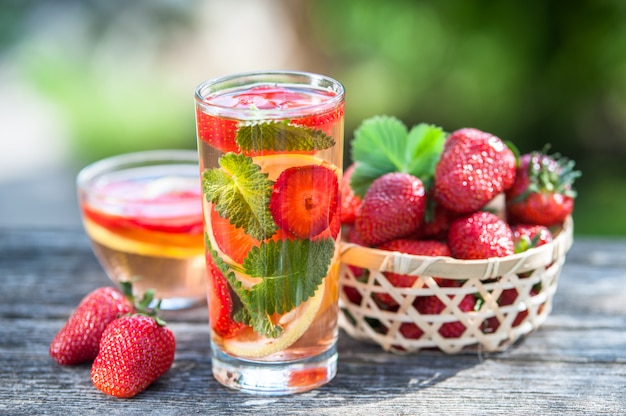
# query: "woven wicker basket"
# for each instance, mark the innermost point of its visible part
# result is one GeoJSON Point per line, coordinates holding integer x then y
{"type": "Point", "coordinates": [493, 327]}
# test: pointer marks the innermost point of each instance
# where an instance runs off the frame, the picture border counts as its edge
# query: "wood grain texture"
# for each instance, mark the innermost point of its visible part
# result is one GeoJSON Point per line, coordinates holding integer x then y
{"type": "Point", "coordinates": [574, 364]}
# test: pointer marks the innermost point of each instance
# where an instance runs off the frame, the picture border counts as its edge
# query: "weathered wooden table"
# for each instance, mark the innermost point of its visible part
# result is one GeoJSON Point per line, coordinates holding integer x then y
{"type": "Point", "coordinates": [574, 364]}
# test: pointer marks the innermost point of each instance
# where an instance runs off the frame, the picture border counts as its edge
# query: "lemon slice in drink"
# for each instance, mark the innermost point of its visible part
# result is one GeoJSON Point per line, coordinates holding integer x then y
{"type": "Point", "coordinates": [122, 243]}
{"type": "Point", "coordinates": [248, 344]}
{"type": "Point", "coordinates": [274, 165]}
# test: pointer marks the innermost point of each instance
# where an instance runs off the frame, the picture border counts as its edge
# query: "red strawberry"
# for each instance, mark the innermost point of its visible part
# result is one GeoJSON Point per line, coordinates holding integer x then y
{"type": "Point", "coordinates": [508, 297]}
{"type": "Point", "coordinates": [393, 207]}
{"type": "Point", "coordinates": [473, 168]}
{"type": "Point", "coordinates": [350, 202]}
{"type": "Point", "coordinates": [542, 192]}
{"type": "Point", "coordinates": [79, 339]}
{"type": "Point", "coordinates": [411, 331]}
{"type": "Point", "coordinates": [144, 213]}
{"type": "Point", "coordinates": [436, 222]}
{"type": "Point", "coordinates": [417, 247]}
{"type": "Point", "coordinates": [135, 350]}
{"type": "Point", "coordinates": [220, 303]}
{"type": "Point", "coordinates": [305, 199]}
{"type": "Point", "coordinates": [480, 235]}
{"type": "Point", "coordinates": [354, 296]}
{"type": "Point", "coordinates": [528, 236]}
{"type": "Point", "coordinates": [217, 132]}
{"type": "Point", "coordinates": [432, 305]}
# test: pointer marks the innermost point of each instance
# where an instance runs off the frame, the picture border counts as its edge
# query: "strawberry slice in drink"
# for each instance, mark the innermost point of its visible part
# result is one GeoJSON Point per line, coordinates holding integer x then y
{"type": "Point", "coordinates": [233, 241]}
{"type": "Point", "coordinates": [221, 133]}
{"type": "Point", "coordinates": [304, 200]}
{"type": "Point", "coordinates": [217, 132]}
{"type": "Point", "coordinates": [220, 302]}
{"type": "Point", "coordinates": [322, 121]}
{"type": "Point", "coordinates": [166, 205]}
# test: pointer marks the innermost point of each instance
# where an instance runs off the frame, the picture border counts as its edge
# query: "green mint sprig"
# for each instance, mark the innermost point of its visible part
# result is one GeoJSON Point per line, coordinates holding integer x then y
{"type": "Point", "coordinates": [281, 136]}
{"type": "Point", "coordinates": [245, 311]}
{"type": "Point", "coordinates": [241, 193]}
{"type": "Point", "coordinates": [291, 271]}
{"type": "Point", "coordinates": [383, 144]}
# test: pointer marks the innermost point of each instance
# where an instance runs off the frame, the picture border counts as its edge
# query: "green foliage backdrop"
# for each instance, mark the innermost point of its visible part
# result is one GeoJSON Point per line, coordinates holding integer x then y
{"type": "Point", "coordinates": [532, 72]}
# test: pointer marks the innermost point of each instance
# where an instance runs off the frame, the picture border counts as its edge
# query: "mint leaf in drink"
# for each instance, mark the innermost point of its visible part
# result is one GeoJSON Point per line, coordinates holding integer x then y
{"type": "Point", "coordinates": [281, 136]}
{"type": "Point", "coordinates": [383, 144]}
{"type": "Point", "coordinates": [245, 311]}
{"type": "Point", "coordinates": [241, 193]}
{"type": "Point", "coordinates": [291, 271]}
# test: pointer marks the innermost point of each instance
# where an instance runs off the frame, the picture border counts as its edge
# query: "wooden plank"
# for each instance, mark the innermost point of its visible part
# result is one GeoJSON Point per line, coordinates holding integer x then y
{"type": "Point", "coordinates": [575, 363]}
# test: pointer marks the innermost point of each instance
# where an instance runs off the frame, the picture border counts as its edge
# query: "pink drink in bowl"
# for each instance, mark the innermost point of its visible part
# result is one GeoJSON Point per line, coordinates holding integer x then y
{"type": "Point", "coordinates": [143, 214]}
{"type": "Point", "coordinates": [271, 148]}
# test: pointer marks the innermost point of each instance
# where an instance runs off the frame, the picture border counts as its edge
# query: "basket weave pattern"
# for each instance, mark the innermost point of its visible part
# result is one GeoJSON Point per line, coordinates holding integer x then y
{"type": "Point", "coordinates": [493, 327]}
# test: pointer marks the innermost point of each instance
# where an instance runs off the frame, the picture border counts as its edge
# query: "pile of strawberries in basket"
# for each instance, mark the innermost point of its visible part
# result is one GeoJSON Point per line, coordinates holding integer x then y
{"type": "Point", "coordinates": [467, 194]}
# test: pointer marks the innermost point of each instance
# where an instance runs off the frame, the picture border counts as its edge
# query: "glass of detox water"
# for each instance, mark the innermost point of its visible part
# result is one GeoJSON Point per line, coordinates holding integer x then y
{"type": "Point", "coordinates": [271, 149]}
{"type": "Point", "coordinates": [143, 214]}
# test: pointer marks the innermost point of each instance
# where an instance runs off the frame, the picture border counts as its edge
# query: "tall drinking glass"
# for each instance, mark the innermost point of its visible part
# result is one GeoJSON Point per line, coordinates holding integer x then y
{"type": "Point", "coordinates": [143, 215]}
{"type": "Point", "coordinates": [271, 149]}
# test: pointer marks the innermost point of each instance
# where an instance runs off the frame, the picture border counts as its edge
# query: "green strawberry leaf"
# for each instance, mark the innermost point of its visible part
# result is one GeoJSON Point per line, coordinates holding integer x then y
{"type": "Point", "coordinates": [241, 193]}
{"type": "Point", "coordinates": [383, 144]}
{"type": "Point", "coordinates": [281, 136]}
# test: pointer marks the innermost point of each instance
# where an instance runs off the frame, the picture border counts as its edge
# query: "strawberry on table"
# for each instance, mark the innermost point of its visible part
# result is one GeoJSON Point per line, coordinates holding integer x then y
{"type": "Point", "coordinates": [134, 352]}
{"type": "Point", "coordinates": [480, 235]}
{"type": "Point", "coordinates": [474, 167]}
{"type": "Point", "coordinates": [393, 207]}
{"type": "Point", "coordinates": [304, 200]}
{"type": "Point", "coordinates": [543, 191]}
{"type": "Point", "coordinates": [78, 340]}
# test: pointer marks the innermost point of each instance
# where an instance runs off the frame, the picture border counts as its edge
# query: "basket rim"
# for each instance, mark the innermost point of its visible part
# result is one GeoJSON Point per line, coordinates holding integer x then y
{"type": "Point", "coordinates": [452, 268]}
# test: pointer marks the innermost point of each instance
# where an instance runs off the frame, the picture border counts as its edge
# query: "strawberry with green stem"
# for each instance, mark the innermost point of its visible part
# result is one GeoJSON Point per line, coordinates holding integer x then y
{"type": "Point", "coordinates": [135, 350]}
{"type": "Point", "coordinates": [79, 339]}
{"type": "Point", "coordinates": [527, 236]}
{"type": "Point", "coordinates": [383, 144]}
{"type": "Point", "coordinates": [543, 191]}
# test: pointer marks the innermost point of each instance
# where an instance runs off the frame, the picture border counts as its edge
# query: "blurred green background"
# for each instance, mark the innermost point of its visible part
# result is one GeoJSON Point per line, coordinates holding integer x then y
{"type": "Point", "coordinates": [119, 76]}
